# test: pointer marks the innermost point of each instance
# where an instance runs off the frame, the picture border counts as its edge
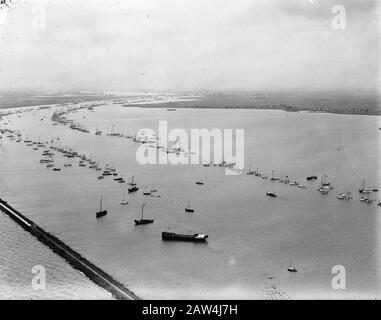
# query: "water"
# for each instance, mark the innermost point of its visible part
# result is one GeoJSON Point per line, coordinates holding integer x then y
{"type": "Point", "coordinates": [252, 238]}
{"type": "Point", "coordinates": [20, 252]}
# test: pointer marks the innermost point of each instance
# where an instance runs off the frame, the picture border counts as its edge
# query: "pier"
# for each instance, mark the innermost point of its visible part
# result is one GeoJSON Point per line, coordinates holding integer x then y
{"type": "Point", "coordinates": [98, 276]}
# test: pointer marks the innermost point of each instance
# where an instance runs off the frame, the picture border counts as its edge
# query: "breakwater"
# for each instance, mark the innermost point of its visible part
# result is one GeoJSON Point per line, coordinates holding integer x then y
{"type": "Point", "coordinates": [97, 275]}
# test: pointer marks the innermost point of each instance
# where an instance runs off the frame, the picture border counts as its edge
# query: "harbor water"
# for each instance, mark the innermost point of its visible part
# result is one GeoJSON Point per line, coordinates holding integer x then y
{"type": "Point", "coordinates": [252, 237]}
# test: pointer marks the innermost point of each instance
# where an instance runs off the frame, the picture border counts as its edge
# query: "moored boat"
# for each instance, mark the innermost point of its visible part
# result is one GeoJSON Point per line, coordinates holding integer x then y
{"type": "Point", "coordinates": [195, 237]}
{"type": "Point", "coordinates": [141, 220]}
{"type": "Point", "coordinates": [188, 208]}
{"type": "Point", "coordinates": [101, 212]}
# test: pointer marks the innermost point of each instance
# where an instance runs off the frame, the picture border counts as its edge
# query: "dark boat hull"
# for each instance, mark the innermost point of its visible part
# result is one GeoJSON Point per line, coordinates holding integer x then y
{"type": "Point", "coordinates": [189, 210]}
{"type": "Point", "coordinates": [182, 237]}
{"type": "Point", "coordinates": [270, 194]}
{"type": "Point", "coordinates": [134, 189]}
{"type": "Point", "coordinates": [143, 221]}
{"type": "Point", "coordinates": [102, 213]}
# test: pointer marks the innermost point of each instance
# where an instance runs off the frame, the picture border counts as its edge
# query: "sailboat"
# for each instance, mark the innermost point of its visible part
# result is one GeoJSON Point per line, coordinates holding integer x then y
{"type": "Point", "coordinates": [363, 190]}
{"type": "Point", "coordinates": [366, 199]}
{"type": "Point", "coordinates": [250, 172]}
{"type": "Point", "coordinates": [124, 201]}
{"type": "Point", "coordinates": [188, 208]}
{"type": "Point", "coordinates": [272, 176]}
{"type": "Point", "coordinates": [291, 268]}
{"type": "Point", "coordinates": [101, 212]}
{"type": "Point", "coordinates": [143, 221]}
{"type": "Point", "coordinates": [132, 183]}
{"type": "Point", "coordinates": [145, 192]}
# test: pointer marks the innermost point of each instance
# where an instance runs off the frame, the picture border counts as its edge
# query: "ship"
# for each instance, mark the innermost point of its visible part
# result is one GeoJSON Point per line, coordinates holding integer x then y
{"type": "Point", "coordinates": [195, 237]}
{"type": "Point", "coordinates": [101, 212]}
{"type": "Point", "coordinates": [133, 189]}
{"type": "Point", "coordinates": [143, 221]}
{"type": "Point", "coordinates": [291, 268]}
{"type": "Point", "coordinates": [311, 177]}
{"type": "Point", "coordinates": [363, 189]}
{"type": "Point", "coordinates": [271, 194]}
{"type": "Point", "coordinates": [188, 208]}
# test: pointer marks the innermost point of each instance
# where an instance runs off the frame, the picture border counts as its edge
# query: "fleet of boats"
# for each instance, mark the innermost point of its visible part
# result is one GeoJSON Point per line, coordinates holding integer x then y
{"type": "Point", "coordinates": [47, 157]}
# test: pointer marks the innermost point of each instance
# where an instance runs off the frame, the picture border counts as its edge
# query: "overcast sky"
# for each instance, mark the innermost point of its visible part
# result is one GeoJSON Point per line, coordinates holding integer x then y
{"type": "Point", "coordinates": [189, 45]}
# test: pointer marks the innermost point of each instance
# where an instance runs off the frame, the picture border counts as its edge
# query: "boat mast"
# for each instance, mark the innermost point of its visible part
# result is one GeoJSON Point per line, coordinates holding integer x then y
{"type": "Point", "coordinates": [142, 211]}
{"type": "Point", "coordinates": [101, 205]}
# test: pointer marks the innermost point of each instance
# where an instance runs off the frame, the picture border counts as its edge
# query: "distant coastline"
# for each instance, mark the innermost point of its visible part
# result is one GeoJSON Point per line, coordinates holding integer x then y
{"type": "Point", "coordinates": [209, 101]}
{"type": "Point", "coordinates": [174, 105]}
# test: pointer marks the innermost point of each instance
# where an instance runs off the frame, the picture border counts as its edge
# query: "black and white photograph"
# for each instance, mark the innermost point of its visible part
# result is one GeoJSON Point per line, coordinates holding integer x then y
{"type": "Point", "coordinates": [167, 150]}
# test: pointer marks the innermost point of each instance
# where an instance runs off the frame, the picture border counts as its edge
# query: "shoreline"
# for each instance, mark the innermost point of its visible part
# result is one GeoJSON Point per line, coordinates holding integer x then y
{"type": "Point", "coordinates": [203, 102]}
{"type": "Point", "coordinates": [176, 105]}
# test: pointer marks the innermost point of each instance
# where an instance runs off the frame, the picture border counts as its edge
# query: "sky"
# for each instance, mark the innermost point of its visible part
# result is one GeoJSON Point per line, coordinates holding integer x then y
{"type": "Point", "coordinates": [190, 45]}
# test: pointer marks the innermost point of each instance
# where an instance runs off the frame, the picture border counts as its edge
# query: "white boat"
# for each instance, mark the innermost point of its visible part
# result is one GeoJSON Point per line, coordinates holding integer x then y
{"type": "Point", "coordinates": [124, 201]}
{"type": "Point", "coordinates": [291, 268]}
{"type": "Point", "coordinates": [344, 196]}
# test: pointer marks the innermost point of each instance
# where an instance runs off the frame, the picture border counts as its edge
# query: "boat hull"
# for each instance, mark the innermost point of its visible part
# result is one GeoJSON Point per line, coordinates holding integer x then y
{"type": "Point", "coordinates": [143, 221]}
{"type": "Point", "coordinates": [171, 236]}
{"type": "Point", "coordinates": [100, 214]}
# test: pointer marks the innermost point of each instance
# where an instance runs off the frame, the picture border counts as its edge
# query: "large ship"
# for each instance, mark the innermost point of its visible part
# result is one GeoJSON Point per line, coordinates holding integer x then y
{"type": "Point", "coordinates": [195, 237]}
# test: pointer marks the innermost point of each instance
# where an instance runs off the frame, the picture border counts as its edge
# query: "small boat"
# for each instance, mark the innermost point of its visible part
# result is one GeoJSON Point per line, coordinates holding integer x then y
{"type": "Point", "coordinates": [98, 132]}
{"type": "Point", "coordinates": [153, 189]}
{"type": "Point", "coordinates": [379, 204]}
{"type": "Point", "coordinates": [291, 268]}
{"type": "Point", "coordinates": [195, 237]}
{"type": "Point", "coordinates": [101, 177]}
{"type": "Point", "coordinates": [363, 189]}
{"type": "Point", "coordinates": [200, 183]}
{"type": "Point", "coordinates": [272, 177]}
{"type": "Point", "coordinates": [133, 189]}
{"type": "Point", "coordinates": [145, 192]}
{"type": "Point", "coordinates": [301, 185]}
{"type": "Point", "coordinates": [250, 172]}
{"type": "Point", "coordinates": [344, 196]}
{"type": "Point", "coordinates": [56, 169]}
{"type": "Point", "coordinates": [143, 221]}
{"type": "Point", "coordinates": [271, 194]}
{"type": "Point", "coordinates": [101, 212]}
{"type": "Point", "coordinates": [311, 177]}
{"type": "Point", "coordinates": [132, 183]}
{"type": "Point", "coordinates": [124, 201]}
{"type": "Point", "coordinates": [366, 199]}
{"type": "Point", "coordinates": [188, 208]}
